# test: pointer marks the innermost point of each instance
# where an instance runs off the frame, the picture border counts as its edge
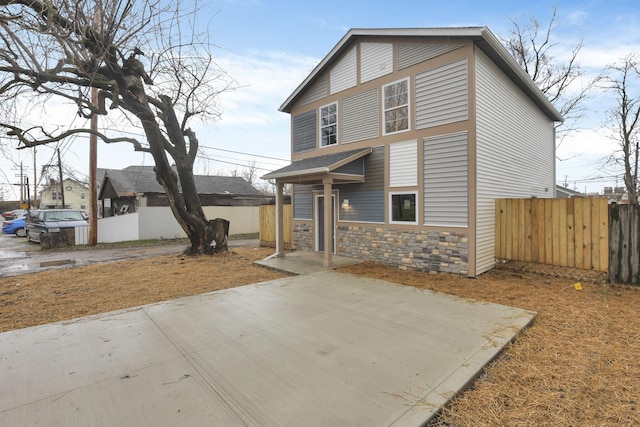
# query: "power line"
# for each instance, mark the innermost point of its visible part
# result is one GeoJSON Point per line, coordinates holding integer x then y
{"type": "Point", "coordinates": [247, 154]}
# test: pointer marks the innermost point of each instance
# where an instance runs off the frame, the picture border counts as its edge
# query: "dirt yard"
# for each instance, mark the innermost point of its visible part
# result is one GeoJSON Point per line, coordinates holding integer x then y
{"type": "Point", "coordinates": [576, 365]}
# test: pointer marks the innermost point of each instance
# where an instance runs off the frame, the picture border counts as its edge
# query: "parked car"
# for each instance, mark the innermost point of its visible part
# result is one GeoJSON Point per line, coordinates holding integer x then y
{"type": "Point", "coordinates": [16, 213]}
{"type": "Point", "coordinates": [42, 221]}
{"type": "Point", "coordinates": [14, 226]}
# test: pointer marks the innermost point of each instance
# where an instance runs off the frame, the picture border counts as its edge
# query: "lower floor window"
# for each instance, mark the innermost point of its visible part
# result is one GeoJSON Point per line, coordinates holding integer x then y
{"type": "Point", "coordinates": [403, 208]}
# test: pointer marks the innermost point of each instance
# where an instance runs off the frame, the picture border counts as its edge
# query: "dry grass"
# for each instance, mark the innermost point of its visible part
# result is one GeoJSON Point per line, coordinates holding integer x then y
{"type": "Point", "coordinates": [576, 365]}
{"type": "Point", "coordinates": [51, 296]}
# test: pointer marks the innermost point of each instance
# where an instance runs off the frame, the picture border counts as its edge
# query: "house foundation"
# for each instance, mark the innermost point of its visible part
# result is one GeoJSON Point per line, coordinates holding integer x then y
{"type": "Point", "coordinates": [423, 250]}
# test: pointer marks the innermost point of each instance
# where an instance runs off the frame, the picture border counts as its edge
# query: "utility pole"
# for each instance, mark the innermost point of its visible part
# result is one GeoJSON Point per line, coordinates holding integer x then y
{"type": "Point", "coordinates": [21, 186]}
{"type": "Point", "coordinates": [21, 176]}
{"type": "Point", "coordinates": [61, 183]}
{"type": "Point", "coordinates": [35, 180]}
{"type": "Point", "coordinates": [93, 185]}
{"type": "Point", "coordinates": [93, 156]}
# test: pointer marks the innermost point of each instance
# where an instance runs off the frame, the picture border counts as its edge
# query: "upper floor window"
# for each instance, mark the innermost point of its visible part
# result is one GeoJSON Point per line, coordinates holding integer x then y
{"type": "Point", "coordinates": [82, 196]}
{"type": "Point", "coordinates": [396, 106]}
{"type": "Point", "coordinates": [329, 125]}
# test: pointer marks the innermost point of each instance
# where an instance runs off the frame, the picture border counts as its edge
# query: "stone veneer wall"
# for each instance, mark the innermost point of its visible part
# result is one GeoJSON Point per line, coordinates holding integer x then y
{"type": "Point", "coordinates": [424, 250]}
{"type": "Point", "coordinates": [303, 236]}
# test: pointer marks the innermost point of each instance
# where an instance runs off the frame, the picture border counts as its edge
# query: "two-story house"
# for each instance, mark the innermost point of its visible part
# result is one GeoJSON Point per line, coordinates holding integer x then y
{"type": "Point", "coordinates": [75, 194]}
{"type": "Point", "coordinates": [402, 139]}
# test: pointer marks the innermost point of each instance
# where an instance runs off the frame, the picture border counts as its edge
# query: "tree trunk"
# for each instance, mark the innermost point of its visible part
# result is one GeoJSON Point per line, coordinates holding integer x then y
{"type": "Point", "coordinates": [182, 193]}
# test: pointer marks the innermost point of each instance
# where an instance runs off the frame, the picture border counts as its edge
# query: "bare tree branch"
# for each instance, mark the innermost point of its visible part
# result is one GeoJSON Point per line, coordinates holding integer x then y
{"type": "Point", "coordinates": [146, 59]}
{"type": "Point", "coordinates": [622, 79]}
{"type": "Point", "coordinates": [562, 81]}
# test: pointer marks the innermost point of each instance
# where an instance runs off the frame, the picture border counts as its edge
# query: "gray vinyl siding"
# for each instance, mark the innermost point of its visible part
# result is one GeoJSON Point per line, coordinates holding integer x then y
{"type": "Point", "coordinates": [413, 53]}
{"type": "Point", "coordinates": [446, 180]}
{"type": "Point", "coordinates": [366, 200]}
{"type": "Point", "coordinates": [515, 151]}
{"type": "Point", "coordinates": [360, 117]}
{"type": "Point", "coordinates": [304, 131]}
{"type": "Point", "coordinates": [442, 95]}
{"type": "Point", "coordinates": [376, 60]}
{"type": "Point", "coordinates": [303, 201]}
{"type": "Point", "coordinates": [344, 74]}
{"type": "Point", "coordinates": [364, 205]}
{"type": "Point", "coordinates": [354, 168]}
{"type": "Point", "coordinates": [316, 92]}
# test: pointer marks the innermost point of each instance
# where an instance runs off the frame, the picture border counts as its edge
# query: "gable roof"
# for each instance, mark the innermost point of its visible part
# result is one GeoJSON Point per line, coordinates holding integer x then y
{"type": "Point", "coordinates": [142, 179]}
{"type": "Point", "coordinates": [564, 192]}
{"type": "Point", "coordinates": [481, 36]}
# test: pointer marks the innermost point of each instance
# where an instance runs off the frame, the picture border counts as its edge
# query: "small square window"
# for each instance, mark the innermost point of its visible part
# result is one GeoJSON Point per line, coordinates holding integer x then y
{"type": "Point", "coordinates": [404, 208]}
{"type": "Point", "coordinates": [82, 196]}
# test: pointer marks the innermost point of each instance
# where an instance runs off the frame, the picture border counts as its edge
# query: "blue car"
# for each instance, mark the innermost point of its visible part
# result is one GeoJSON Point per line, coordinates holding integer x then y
{"type": "Point", "coordinates": [14, 226]}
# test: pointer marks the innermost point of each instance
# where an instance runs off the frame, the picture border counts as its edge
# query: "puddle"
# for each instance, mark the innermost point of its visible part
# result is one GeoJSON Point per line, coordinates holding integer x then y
{"type": "Point", "coordinates": [11, 254]}
{"type": "Point", "coordinates": [18, 268]}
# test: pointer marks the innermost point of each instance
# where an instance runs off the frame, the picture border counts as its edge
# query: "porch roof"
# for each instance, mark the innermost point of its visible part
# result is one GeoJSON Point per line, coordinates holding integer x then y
{"type": "Point", "coordinates": [314, 169]}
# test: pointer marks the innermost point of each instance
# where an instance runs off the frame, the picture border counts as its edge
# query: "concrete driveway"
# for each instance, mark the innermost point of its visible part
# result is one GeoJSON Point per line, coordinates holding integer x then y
{"type": "Point", "coordinates": [322, 349]}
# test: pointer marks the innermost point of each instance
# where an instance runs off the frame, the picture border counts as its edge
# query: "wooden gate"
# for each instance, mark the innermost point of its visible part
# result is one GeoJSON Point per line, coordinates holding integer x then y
{"type": "Point", "coordinates": [624, 243]}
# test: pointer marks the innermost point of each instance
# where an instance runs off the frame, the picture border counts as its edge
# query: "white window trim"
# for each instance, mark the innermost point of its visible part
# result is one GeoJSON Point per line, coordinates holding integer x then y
{"type": "Point", "coordinates": [393, 193]}
{"type": "Point", "coordinates": [384, 123]}
{"type": "Point", "coordinates": [320, 125]}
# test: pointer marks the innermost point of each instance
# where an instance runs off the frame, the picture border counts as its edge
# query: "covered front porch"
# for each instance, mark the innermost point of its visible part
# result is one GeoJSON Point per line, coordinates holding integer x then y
{"type": "Point", "coordinates": [338, 168]}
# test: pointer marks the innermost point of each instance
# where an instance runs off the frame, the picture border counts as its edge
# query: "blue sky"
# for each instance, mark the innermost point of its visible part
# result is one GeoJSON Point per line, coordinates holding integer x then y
{"type": "Point", "coordinates": [269, 47]}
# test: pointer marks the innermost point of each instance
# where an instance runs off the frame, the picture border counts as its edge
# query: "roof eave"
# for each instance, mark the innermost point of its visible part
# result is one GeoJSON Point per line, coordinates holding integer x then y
{"type": "Point", "coordinates": [511, 65]}
{"type": "Point", "coordinates": [495, 50]}
{"type": "Point", "coordinates": [295, 173]}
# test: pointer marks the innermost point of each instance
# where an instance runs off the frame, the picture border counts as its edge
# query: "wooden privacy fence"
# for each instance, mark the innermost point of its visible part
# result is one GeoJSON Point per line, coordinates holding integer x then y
{"type": "Point", "coordinates": [268, 226]}
{"type": "Point", "coordinates": [624, 243]}
{"type": "Point", "coordinates": [562, 232]}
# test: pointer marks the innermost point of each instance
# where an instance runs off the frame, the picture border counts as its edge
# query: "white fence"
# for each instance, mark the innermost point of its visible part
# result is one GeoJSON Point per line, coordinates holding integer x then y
{"type": "Point", "coordinates": [159, 223]}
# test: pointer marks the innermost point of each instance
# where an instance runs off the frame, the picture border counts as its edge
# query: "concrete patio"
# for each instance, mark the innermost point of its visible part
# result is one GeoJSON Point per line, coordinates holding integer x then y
{"type": "Point", "coordinates": [318, 349]}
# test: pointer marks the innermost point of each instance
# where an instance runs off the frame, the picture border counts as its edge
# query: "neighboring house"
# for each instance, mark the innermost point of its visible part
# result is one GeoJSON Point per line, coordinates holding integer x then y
{"type": "Point", "coordinates": [412, 134]}
{"type": "Point", "coordinates": [76, 195]}
{"type": "Point", "coordinates": [124, 191]}
{"type": "Point", "coordinates": [567, 193]}
{"type": "Point", "coordinates": [616, 195]}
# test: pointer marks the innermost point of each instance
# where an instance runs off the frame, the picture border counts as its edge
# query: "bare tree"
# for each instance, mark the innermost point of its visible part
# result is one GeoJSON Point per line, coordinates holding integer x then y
{"type": "Point", "coordinates": [146, 62]}
{"type": "Point", "coordinates": [561, 80]}
{"type": "Point", "coordinates": [623, 80]}
{"type": "Point", "coordinates": [250, 173]}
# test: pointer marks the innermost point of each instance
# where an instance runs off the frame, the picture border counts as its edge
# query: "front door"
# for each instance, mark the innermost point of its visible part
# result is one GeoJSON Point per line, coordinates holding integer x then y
{"type": "Point", "coordinates": [320, 223]}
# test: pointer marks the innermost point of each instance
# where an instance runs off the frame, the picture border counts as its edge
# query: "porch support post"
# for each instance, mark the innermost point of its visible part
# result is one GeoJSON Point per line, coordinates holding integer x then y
{"type": "Point", "coordinates": [328, 223]}
{"type": "Point", "coordinates": [279, 219]}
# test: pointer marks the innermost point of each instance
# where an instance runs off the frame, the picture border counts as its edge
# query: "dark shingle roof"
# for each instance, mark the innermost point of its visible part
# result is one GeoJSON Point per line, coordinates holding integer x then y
{"type": "Point", "coordinates": [318, 164]}
{"type": "Point", "coordinates": [142, 179]}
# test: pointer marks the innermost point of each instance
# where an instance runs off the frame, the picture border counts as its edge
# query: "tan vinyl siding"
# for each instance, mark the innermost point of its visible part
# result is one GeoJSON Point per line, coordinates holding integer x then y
{"type": "Point", "coordinates": [316, 92]}
{"type": "Point", "coordinates": [403, 164]}
{"type": "Point", "coordinates": [446, 180]}
{"type": "Point", "coordinates": [360, 117]}
{"type": "Point", "coordinates": [344, 74]}
{"type": "Point", "coordinates": [376, 60]}
{"type": "Point", "coordinates": [515, 151]}
{"type": "Point", "coordinates": [413, 53]}
{"type": "Point", "coordinates": [442, 95]}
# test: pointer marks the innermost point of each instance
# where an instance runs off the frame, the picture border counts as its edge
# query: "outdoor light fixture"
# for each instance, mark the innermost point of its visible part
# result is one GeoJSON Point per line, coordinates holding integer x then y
{"type": "Point", "coordinates": [345, 203]}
